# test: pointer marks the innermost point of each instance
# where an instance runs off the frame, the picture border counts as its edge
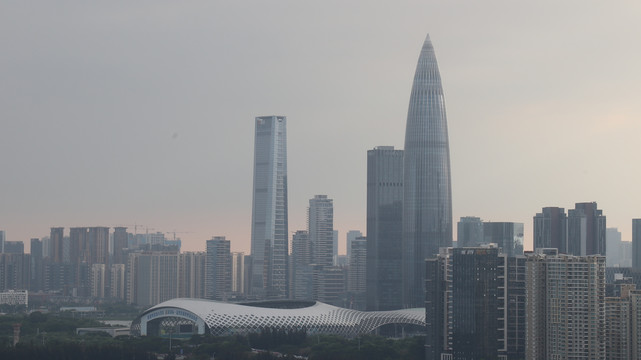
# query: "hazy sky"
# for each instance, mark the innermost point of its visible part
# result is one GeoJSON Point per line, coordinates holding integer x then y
{"type": "Point", "coordinates": [122, 113]}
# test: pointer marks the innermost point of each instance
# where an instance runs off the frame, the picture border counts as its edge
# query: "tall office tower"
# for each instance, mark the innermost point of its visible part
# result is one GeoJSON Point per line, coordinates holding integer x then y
{"type": "Point", "coordinates": [515, 305]}
{"type": "Point", "coordinates": [118, 281]}
{"type": "Point", "coordinates": [301, 260]}
{"type": "Point", "coordinates": [269, 242]}
{"type": "Point", "coordinates": [335, 247]}
{"type": "Point", "coordinates": [2, 240]}
{"type": "Point", "coordinates": [469, 232]}
{"type": "Point", "coordinates": [97, 280]}
{"type": "Point", "coordinates": [218, 269]}
{"type": "Point", "coordinates": [152, 277]}
{"type": "Point", "coordinates": [613, 243]}
{"type": "Point", "coordinates": [475, 304]}
{"type": "Point", "coordinates": [320, 225]}
{"type": "Point", "coordinates": [384, 228]}
{"type": "Point", "coordinates": [37, 265]}
{"type": "Point", "coordinates": [437, 303]}
{"type": "Point", "coordinates": [565, 307]}
{"type": "Point", "coordinates": [636, 244]}
{"type": "Point", "coordinates": [349, 237]}
{"type": "Point", "coordinates": [192, 274]}
{"type": "Point", "coordinates": [586, 230]}
{"type": "Point", "coordinates": [508, 235]}
{"type": "Point", "coordinates": [55, 244]}
{"type": "Point", "coordinates": [121, 241]}
{"type": "Point", "coordinates": [238, 273]}
{"type": "Point", "coordinates": [329, 284]}
{"type": "Point", "coordinates": [550, 229]}
{"type": "Point", "coordinates": [357, 269]}
{"type": "Point", "coordinates": [427, 199]}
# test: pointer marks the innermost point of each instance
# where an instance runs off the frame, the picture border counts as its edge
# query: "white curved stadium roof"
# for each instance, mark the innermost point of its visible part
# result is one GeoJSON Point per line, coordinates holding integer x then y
{"type": "Point", "coordinates": [226, 318]}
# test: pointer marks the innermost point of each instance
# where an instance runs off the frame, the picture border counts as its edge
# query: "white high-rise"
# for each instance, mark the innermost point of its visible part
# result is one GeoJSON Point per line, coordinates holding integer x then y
{"type": "Point", "coordinates": [269, 243]}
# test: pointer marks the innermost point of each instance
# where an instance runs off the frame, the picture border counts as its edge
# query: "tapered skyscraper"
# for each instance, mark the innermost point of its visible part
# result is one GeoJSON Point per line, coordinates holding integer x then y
{"type": "Point", "coordinates": [427, 194]}
{"type": "Point", "coordinates": [269, 244]}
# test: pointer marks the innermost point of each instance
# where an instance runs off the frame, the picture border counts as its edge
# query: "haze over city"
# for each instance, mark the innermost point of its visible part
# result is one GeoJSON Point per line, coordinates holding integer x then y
{"type": "Point", "coordinates": [143, 113]}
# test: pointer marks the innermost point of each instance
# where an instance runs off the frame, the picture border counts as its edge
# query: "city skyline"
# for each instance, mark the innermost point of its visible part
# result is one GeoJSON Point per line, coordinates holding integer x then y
{"type": "Point", "coordinates": [143, 114]}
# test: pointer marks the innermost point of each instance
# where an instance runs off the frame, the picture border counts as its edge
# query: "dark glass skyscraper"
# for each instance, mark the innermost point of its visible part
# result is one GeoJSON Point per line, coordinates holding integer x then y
{"type": "Point", "coordinates": [550, 229]}
{"type": "Point", "coordinates": [269, 243]}
{"type": "Point", "coordinates": [586, 230]}
{"type": "Point", "coordinates": [384, 228]}
{"type": "Point", "coordinates": [427, 199]}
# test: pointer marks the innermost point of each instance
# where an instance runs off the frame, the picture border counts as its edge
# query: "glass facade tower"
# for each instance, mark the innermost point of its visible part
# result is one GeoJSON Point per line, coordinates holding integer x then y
{"type": "Point", "coordinates": [269, 243]}
{"type": "Point", "coordinates": [427, 198]}
{"type": "Point", "coordinates": [384, 228]}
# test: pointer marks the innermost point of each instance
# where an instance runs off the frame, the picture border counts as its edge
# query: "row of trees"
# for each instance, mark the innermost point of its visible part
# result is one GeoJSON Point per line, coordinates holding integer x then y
{"type": "Point", "coordinates": [48, 336]}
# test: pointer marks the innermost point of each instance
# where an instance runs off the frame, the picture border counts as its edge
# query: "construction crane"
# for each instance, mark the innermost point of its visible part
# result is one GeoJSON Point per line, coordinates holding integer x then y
{"type": "Point", "coordinates": [135, 226]}
{"type": "Point", "coordinates": [177, 232]}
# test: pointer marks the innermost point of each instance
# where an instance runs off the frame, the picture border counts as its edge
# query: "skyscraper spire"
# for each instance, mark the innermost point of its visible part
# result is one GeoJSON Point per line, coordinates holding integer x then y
{"type": "Point", "coordinates": [427, 195]}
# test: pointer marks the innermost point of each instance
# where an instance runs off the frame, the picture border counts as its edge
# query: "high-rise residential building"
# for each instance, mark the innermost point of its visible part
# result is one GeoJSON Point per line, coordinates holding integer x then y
{"type": "Point", "coordinates": [14, 247]}
{"type": "Point", "coordinates": [98, 239]}
{"type": "Point", "coordinates": [218, 269]}
{"type": "Point", "coordinates": [635, 319]}
{"type": "Point", "coordinates": [586, 230]}
{"type": "Point", "coordinates": [192, 274]}
{"type": "Point", "coordinates": [565, 306]}
{"type": "Point", "coordinates": [508, 236]}
{"type": "Point", "coordinates": [618, 323]}
{"type": "Point", "coordinates": [152, 277]}
{"type": "Point", "coordinates": [427, 200]}
{"type": "Point", "coordinates": [120, 242]}
{"type": "Point", "coordinates": [37, 265]}
{"type": "Point", "coordinates": [550, 229]}
{"type": "Point", "coordinates": [79, 245]}
{"type": "Point", "coordinates": [469, 232]}
{"type": "Point", "coordinates": [320, 225]}
{"type": "Point", "coordinates": [301, 269]}
{"type": "Point", "coordinates": [238, 272]}
{"type": "Point", "coordinates": [117, 281]}
{"type": "Point", "coordinates": [2, 240]}
{"type": "Point", "coordinates": [55, 245]}
{"type": "Point", "coordinates": [384, 228]}
{"type": "Point", "coordinates": [269, 242]}
{"type": "Point", "coordinates": [98, 281]}
{"type": "Point", "coordinates": [15, 271]}
{"type": "Point", "coordinates": [349, 237]}
{"type": "Point", "coordinates": [475, 304]}
{"type": "Point", "coordinates": [636, 244]}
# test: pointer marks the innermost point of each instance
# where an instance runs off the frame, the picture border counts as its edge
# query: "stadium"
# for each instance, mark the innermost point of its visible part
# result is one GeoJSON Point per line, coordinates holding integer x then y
{"type": "Point", "coordinates": [185, 317]}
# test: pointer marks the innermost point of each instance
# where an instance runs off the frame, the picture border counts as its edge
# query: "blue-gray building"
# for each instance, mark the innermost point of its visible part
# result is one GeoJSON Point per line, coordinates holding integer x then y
{"type": "Point", "coordinates": [269, 241]}
{"type": "Point", "coordinates": [427, 200]}
{"type": "Point", "coordinates": [384, 228]}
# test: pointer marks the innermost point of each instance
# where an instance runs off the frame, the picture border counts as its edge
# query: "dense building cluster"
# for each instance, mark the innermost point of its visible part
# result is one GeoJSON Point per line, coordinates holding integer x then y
{"type": "Point", "coordinates": [484, 296]}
